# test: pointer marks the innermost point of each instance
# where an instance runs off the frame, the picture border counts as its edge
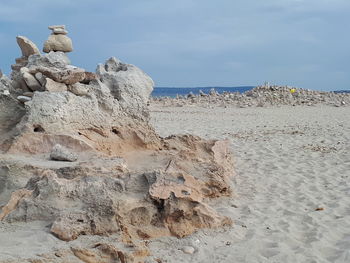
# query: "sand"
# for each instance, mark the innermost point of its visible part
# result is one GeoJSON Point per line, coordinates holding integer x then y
{"type": "Point", "coordinates": [292, 184]}
{"type": "Point", "coordinates": [291, 198]}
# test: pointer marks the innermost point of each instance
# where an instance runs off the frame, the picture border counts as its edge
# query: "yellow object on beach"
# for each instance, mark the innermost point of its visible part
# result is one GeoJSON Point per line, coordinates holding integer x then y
{"type": "Point", "coordinates": [292, 90]}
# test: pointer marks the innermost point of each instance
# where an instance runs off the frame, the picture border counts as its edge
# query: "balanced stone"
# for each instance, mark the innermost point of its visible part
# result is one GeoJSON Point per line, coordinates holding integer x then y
{"type": "Point", "coordinates": [58, 41]}
{"type": "Point", "coordinates": [57, 27]}
{"type": "Point", "coordinates": [59, 31]}
{"type": "Point", "coordinates": [27, 47]}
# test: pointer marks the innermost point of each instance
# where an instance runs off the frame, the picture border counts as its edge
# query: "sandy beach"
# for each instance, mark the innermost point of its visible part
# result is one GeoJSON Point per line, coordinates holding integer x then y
{"type": "Point", "coordinates": [291, 194]}
{"type": "Point", "coordinates": [291, 189]}
{"type": "Point", "coordinates": [175, 132]}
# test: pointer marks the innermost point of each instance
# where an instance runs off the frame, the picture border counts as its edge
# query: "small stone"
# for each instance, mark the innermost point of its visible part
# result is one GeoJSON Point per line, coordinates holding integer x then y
{"type": "Point", "coordinates": [188, 250]}
{"type": "Point", "coordinates": [191, 95]}
{"type": "Point", "coordinates": [6, 92]}
{"type": "Point", "coordinates": [57, 27]}
{"type": "Point", "coordinates": [79, 89]}
{"type": "Point", "coordinates": [28, 94]}
{"type": "Point", "coordinates": [40, 78]}
{"type": "Point", "coordinates": [54, 86]}
{"type": "Point", "coordinates": [59, 31]}
{"type": "Point", "coordinates": [89, 76]}
{"type": "Point", "coordinates": [60, 153]}
{"type": "Point", "coordinates": [24, 99]}
{"type": "Point", "coordinates": [31, 81]}
{"type": "Point", "coordinates": [228, 243]}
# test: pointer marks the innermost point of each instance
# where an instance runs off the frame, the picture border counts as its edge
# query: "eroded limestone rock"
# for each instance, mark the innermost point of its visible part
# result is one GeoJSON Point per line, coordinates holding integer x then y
{"type": "Point", "coordinates": [128, 183]}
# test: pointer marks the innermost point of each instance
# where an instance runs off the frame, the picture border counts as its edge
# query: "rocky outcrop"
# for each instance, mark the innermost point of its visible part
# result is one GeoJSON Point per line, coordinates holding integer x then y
{"type": "Point", "coordinates": [89, 163]}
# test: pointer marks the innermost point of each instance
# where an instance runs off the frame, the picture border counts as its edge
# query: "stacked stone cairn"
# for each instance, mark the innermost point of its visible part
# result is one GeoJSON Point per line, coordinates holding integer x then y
{"type": "Point", "coordinates": [34, 72]}
{"type": "Point", "coordinates": [79, 154]}
{"type": "Point", "coordinates": [58, 40]}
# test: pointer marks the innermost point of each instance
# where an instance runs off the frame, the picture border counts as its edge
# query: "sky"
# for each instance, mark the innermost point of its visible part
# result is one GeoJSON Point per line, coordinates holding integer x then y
{"type": "Point", "coordinates": [192, 43]}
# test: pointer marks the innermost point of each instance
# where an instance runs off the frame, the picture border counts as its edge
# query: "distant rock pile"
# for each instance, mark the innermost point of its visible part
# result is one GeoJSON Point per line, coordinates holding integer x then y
{"type": "Point", "coordinates": [261, 96]}
{"type": "Point", "coordinates": [77, 152]}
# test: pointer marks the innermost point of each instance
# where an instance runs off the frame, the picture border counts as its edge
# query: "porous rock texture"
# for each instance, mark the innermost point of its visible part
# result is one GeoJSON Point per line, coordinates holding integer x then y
{"type": "Point", "coordinates": [128, 184]}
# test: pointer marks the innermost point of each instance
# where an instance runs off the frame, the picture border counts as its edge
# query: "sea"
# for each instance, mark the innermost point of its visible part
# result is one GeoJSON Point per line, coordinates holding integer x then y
{"type": "Point", "coordinates": [173, 92]}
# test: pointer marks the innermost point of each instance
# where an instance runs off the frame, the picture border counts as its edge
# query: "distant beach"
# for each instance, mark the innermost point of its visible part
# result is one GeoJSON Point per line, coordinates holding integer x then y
{"type": "Point", "coordinates": [173, 91]}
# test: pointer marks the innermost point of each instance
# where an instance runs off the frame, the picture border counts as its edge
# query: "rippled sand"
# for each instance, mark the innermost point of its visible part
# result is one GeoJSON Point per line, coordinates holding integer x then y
{"type": "Point", "coordinates": [292, 184]}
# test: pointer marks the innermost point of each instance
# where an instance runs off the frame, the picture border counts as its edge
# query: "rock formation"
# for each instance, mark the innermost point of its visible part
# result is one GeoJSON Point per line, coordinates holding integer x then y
{"type": "Point", "coordinates": [115, 177]}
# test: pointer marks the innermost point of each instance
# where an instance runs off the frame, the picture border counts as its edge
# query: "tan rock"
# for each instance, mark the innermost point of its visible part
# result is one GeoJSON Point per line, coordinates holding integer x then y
{"type": "Point", "coordinates": [58, 43]}
{"type": "Point", "coordinates": [16, 197]}
{"type": "Point", "coordinates": [57, 27]}
{"type": "Point", "coordinates": [54, 86]}
{"type": "Point", "coordinates": [31, 81]}
{"type": "Point", "coordinates": [79, 89]}
{"type": "Point", "coordinates": [59, 31]}
{"type": "Point", "coordinates": [27, 47]}
{"type": "Point", "coordinates": [89, 76]}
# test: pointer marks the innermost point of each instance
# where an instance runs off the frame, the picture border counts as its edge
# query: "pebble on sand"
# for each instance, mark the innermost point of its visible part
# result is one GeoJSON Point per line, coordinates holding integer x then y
{"type": "Point", "coordinates": [188, 250]}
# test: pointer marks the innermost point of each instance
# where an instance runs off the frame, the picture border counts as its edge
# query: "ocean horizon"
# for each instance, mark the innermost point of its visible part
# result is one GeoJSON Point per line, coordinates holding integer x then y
{"type": "Point", "coordinates": [175, 91]}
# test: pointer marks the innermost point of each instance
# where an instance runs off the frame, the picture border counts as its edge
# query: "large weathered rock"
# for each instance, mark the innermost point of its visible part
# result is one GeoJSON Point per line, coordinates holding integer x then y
{"type": "Point", "coordinates": [27, 47]}
{"type": "Point", "coordinates": [58, 43]}
{"type": "Point", "coordinates": [127, 83]}
{"type": "Point", "coordinates": [68, 75]}
{"type": "Point", "coordinates": [129, 184]}
{"type": "Point", "coordinates": [52, 60]}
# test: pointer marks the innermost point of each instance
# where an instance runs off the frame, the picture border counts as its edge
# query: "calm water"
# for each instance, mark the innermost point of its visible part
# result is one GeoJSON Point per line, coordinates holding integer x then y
{"type": "Point", "coordinates": [172, 92]}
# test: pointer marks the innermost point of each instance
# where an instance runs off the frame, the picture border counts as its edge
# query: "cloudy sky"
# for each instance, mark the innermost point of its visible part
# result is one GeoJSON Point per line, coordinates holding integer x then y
{"type": "Point", "coordinates": [305, 43]}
